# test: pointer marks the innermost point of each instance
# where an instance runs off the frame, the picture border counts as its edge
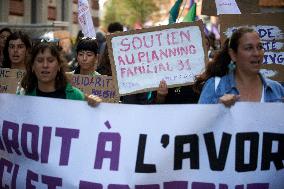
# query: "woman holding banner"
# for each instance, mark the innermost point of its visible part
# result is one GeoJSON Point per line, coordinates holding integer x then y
{"type": "Point", "coordinates": [45, 76]}
{"type": "Point", "coordinates": [233, 75]}
{"type": "Point", "coordinates": [87, 57]}
{"type": "Point", "coordinates": [16, 50]}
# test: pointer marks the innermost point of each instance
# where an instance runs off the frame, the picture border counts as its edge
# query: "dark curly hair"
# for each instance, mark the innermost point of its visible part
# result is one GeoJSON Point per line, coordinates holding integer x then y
{"type": "Point", "coordinates": [14, 36]}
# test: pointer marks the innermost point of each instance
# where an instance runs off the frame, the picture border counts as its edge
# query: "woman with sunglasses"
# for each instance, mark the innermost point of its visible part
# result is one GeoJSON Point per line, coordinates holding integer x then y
{"type": "Point", "coordinates": [87, 56]}
{"type": "Point", "coordinates": [45, 76]}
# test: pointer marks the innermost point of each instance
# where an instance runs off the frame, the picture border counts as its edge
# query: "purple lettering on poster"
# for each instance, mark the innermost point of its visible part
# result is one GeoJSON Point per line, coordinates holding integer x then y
{"type": "Point", "coordinates": [201, 185]}
{"type": "Point", "coordinates": [149, 186]}
{"type": "Point", "coordinates": [113, 155]}
{"type": "Point", "coordinates": [67, 135]}
{"type": "Point", "coordinates": [89, 185]}
{"type": "Point", "coordinates": [118, 186]}
{"type": "Point", "coordinates": [45, 145]}
{"type": "Point", "coordinates": [51, 182]}
{"type": "Point", "coordinates": [9, 165]}
{"type": "Point", "coordinates": [31, 176]}
{"type": "Point", "coordinates": [34, 131]}
{"type": "Point", "coordinates": [258, 186]}
{"type": "Point", "coordinates": [176, 184]}
{"type": "Point", "coordinates": [12, 143]}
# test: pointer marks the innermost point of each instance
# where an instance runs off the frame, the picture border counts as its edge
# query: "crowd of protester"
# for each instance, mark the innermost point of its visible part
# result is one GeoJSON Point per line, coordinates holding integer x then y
{"type": "Point", "coordinates": [232, 73]}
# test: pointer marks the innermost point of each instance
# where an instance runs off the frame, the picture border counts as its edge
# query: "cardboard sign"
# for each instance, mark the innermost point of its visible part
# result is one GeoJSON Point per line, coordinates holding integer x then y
{"type": "Point", "coordinates": [58, 144]}
{"type": "Point", "coordinates": [245, 6]}
{"type": "Point", "coordinates": [270, 28]}
{"type": "Point", "coordinates": [10, 80]}
{"type": "Point", "coordinates": [100, 85]}
{"type": "Point", "coordinates": [141, 59]}
{"type": "Point", "coordinates": [9, 85]}
{"type": "Point", "coordinates": [6, 72]}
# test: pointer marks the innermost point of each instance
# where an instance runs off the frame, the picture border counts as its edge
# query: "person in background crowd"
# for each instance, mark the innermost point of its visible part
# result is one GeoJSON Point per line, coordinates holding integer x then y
{"type": "Point", "coordinates": [87, 57]}
{"type": "Point", "coordinates": [115, 27]}
{"type": "Point", "coordinates": [16, 50]}
{"type": "Point", "coordinates": [211, 44]}
{"type": "Point", "coordinates": [104, 66]}
{"type": "Point", "coordinates": [45, 76]}
{"type": "Point", "coordinates": [101, 40]}
{"type": "Point", "coordinates": [233, 75]}
{"type": "Point", "coordinates": [66, 45]}
{"type": "Point", "coordinates": [4, 34]}
{"type": "Point", "coordinates": [72, 65]}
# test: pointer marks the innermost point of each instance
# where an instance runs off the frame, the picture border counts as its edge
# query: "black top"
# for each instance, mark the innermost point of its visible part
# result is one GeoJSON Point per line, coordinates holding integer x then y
{"type": "Point", "coordinates": [181, 95]}
{"type": "Point", "coordinates": [56, 94]}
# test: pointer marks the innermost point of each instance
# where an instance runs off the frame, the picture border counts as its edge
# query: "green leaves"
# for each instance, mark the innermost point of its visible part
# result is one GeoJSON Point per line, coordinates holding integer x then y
{"type": "Point", "coordinates": [129, 12]}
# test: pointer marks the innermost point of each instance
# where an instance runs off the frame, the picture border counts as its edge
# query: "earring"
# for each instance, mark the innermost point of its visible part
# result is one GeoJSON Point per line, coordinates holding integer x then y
{"type": "Point", "coordinates": [231, 66]}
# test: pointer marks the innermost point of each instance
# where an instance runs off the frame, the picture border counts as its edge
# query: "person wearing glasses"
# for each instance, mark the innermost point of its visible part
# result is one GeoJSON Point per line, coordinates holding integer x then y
{"type": "Point", "coordinates": [45, 76]}
{"type": "Point", "coordinates": [4, 34]}
{"type": "Point", "coordinates": [87, 56]}
{"type": "Point", "coordinates": [16, 50]}
{"type": "Point", "coordinates": [233, 74]}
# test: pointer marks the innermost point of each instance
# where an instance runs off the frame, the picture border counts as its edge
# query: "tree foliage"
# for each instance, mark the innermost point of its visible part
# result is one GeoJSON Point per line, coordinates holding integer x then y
{"type": "Point", "coordinates": [129, 12]}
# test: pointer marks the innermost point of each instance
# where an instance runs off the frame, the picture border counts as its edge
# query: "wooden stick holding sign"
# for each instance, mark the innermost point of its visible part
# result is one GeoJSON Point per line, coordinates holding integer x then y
{"type": "Point", "coordinates": [141, 59]}
{"type": "Point", "coordinates": [270, 27]}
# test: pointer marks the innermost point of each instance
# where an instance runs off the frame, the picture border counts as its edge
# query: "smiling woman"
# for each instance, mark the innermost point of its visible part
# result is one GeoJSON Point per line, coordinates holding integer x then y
{"type": "Point", "coordinates": [233, 75]}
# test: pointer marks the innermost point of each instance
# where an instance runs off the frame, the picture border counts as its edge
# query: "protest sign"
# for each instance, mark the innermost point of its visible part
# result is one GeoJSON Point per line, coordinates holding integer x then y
{"type": "Point", "coordinates": [141, 59]}
{"type": "Point", "coordinates": [10, 80]}
{"type": "Point", "coordinates": [245, 6]}
{"type": "Point", "coordinates": [85, 19]}
{"type": "Point", "coordinates": [57, 143]}
{"type": "Point", "coordinates": [270, 27]}
{"type": "Point", "coordinates": [99, 85]}
{"type": "Point", "coordinates": [9, 85]}
{"type": "Point", "coordinates": [6, 72]}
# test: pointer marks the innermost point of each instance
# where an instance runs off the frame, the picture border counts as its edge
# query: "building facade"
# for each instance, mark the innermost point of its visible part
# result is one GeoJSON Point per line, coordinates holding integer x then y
{"type": "Point", "coordinates": [48, 14]}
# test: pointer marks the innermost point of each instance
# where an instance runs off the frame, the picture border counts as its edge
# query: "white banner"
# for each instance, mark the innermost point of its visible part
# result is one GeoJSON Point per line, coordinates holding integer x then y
{"type": "Point", "coordinates": [85, 19]}
{"type": "Point", "coordinates": [54, 143]}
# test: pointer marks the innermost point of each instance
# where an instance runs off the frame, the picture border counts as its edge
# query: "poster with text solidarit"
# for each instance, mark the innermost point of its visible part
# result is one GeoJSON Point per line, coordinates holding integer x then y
{"type": "Point", "coordinates": [270, 27]}
{"type": "Point", "coordinates": [65, 144]}
{"type": "Point", "coordinates": [142, 58]}
{"type": "Point", "coordinates": [100, 85]}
